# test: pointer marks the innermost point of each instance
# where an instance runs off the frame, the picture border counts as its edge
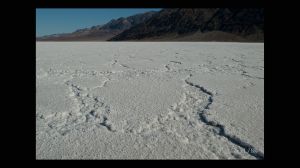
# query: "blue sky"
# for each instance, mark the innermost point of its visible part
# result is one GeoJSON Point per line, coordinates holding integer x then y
{"type": "Point", "coordinates": [51, 21]}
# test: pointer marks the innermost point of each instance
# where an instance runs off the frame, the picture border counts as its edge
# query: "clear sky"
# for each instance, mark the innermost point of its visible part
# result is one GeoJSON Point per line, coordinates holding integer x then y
{"type": "Point", "coordinates": [51, 21]}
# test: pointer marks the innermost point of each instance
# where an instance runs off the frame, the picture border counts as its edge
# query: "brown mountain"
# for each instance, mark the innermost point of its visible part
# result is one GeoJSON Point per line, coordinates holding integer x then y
{"type": "Point", "coordinates": [100, 32]}
{"type": "Point", "coordinates": [207, 24]}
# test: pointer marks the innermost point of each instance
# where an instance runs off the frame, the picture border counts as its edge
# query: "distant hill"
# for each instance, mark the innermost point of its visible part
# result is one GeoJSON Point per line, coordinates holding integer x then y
{"type": "Point", "coordinates": [207, 24]}
{"type": "Point", "coordinates": [100, 32]}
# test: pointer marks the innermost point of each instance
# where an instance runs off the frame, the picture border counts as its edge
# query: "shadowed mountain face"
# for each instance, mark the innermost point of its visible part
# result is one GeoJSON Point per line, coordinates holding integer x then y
{"type": "Point", "coordinates": [199, 24]}
{"type": "Point", "coordinates": [208, 24]}
{"type": "Point", "coordinates": [100, 32]}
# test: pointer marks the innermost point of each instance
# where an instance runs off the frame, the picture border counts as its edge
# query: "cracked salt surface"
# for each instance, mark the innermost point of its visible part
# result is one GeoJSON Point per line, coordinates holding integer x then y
{"type": "Point", "coordinates": [150, 100]}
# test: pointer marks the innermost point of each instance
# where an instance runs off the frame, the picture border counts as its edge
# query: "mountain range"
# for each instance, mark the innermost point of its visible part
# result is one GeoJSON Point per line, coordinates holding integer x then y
{"type": "Point", "coordinates": [100, 32]}
{"type": "Point", "coordinates": [180, 24]}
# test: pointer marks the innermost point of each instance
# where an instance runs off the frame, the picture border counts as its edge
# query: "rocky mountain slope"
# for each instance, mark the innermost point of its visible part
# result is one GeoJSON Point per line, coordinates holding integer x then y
{"type": "Point", "coordinates": [201, 24]}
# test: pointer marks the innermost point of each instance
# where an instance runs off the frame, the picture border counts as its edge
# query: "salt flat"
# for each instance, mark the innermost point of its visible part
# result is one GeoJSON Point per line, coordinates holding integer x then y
{"type": "Point", "coordinates": [149, 100]}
